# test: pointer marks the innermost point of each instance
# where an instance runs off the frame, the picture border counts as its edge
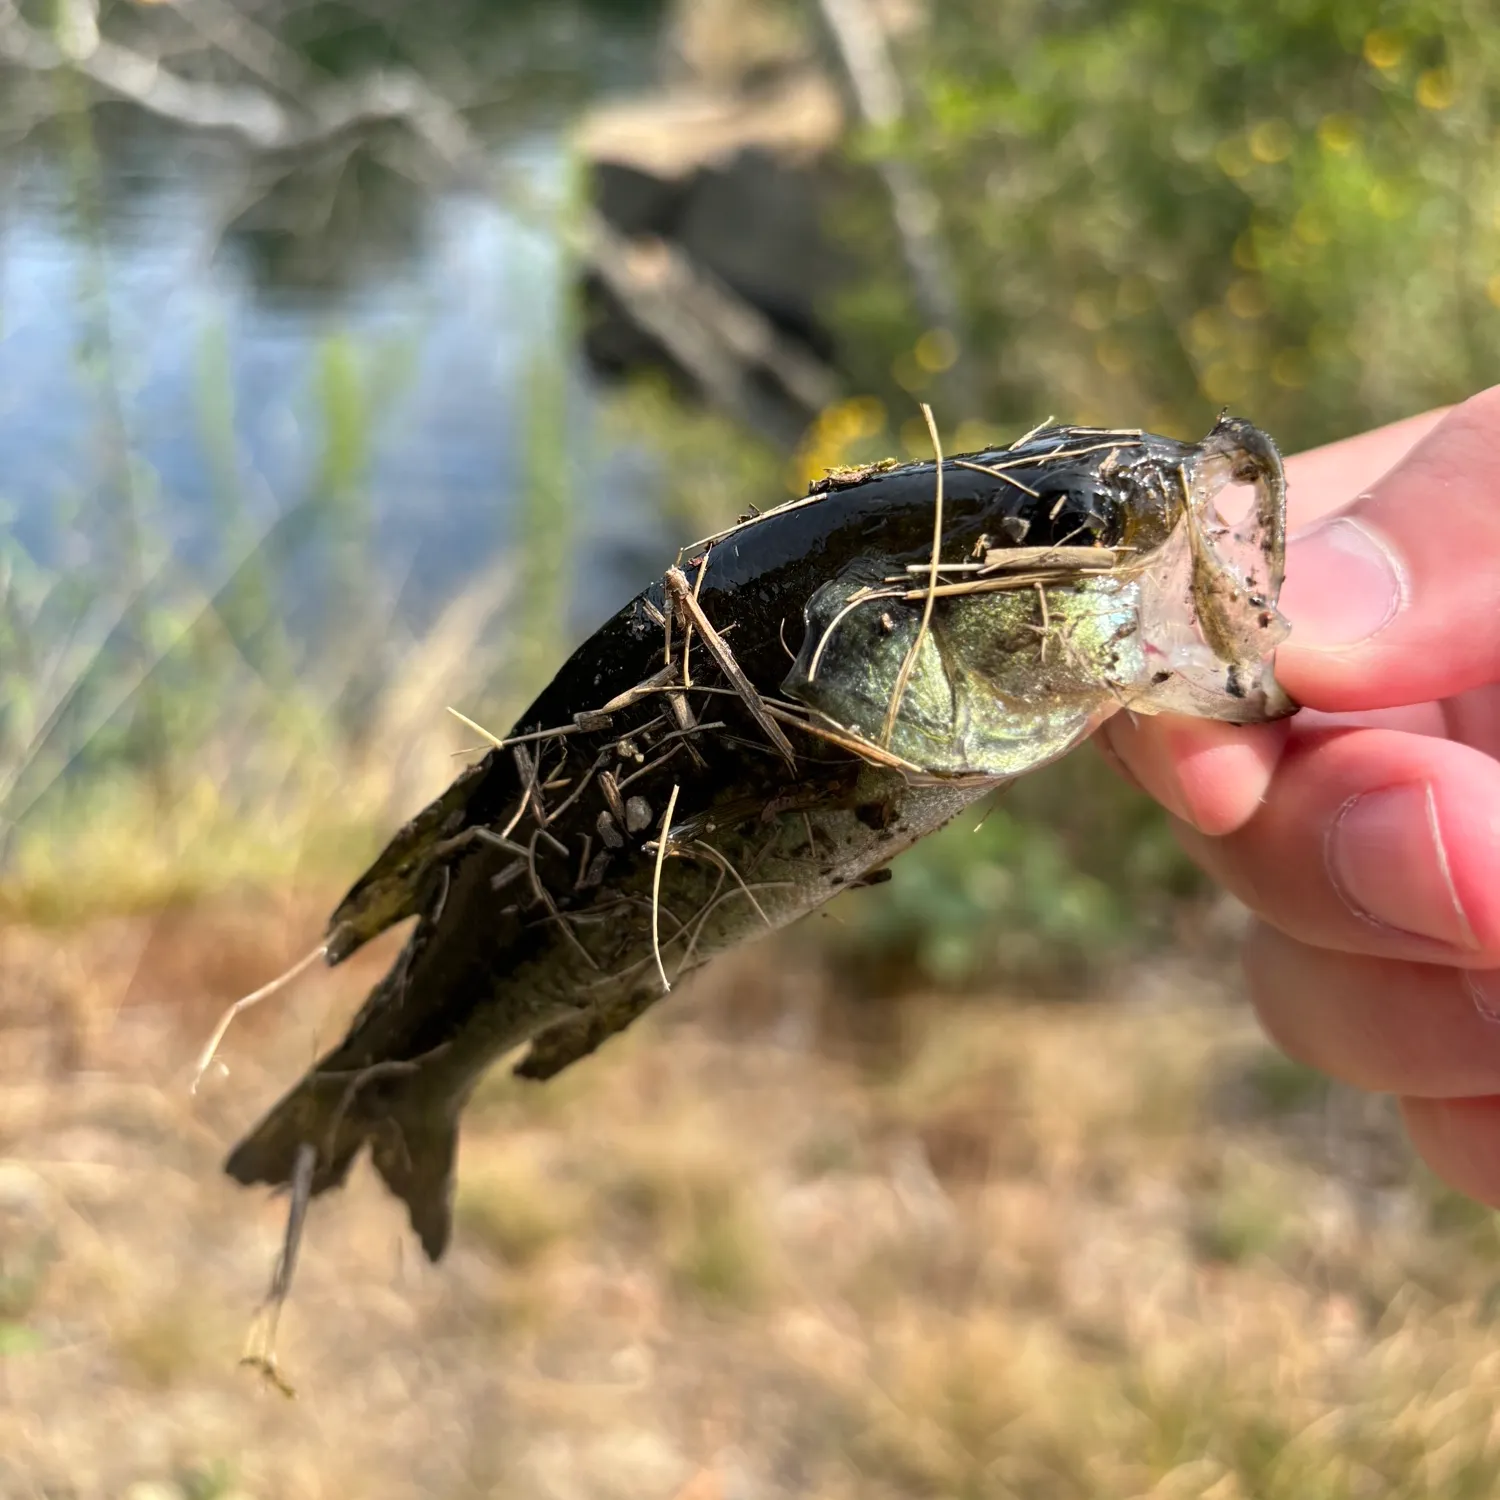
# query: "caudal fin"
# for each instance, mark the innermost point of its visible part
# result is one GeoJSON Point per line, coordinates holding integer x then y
{"type": "Point", "coordinates": [413, 1141]}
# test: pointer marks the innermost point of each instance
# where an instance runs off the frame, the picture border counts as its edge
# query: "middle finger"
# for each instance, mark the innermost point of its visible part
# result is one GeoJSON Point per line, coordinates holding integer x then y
{"type": "Point", "coordinates": [1373, 841]}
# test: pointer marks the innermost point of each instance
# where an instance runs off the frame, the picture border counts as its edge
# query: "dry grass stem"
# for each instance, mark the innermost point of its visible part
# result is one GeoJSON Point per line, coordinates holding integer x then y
{"type": "Point", "coordinates": [739, 526]}
{"type": "Point", "coordinates": [864, 596]}
{"type": "Point", "coordinates": [661, 855]}
{"type": "Point", "coordinates": [714, 902]}
{"type": "Point", "coordinates": [687, 634]}
{"type": "Point", "coordinates": [631, 696]}
{"type": "Point", "coordinates": [1031, 432]}
{"type": "Point", "coordinates": [584, 783]}
{"type": "Point", "coordinates": [994, 473]}
{"type": "Point", "coordinates": [515, 739]}
{"type": "Point", "coordinates": [542, 894]}
{"type": "Point", "coordinates": [724, 861]}
{"type": "Point", "coordinates": [845, 740]}
{"type": "Point", "coordinates": [999, 585]}
{"type": "Point", "coordinates": [718, 648]}
{"type": "Point", "coordinates": [1009, 559]}
{"type": "Point", "coordinates": [245, 1002]}
{"type": "Point", "coordinates": [651, 765]}
{"type": "Point", "coordinates": [260, 1342]}
{"type": "Point", "coordinates": [687, 724]}
{"type": "Point", "coordinates": [910, 659]}
{"type": "Point", "coordinates": [527, 768]}
{"type": "Point", "coordinates": [1114, 1246]}
{"type": "Point", "coordinates": [1046, 626]}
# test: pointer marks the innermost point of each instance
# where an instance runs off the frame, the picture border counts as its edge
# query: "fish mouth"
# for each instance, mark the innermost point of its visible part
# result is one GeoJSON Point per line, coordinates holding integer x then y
{"type": "Point", "coordinates": [1238, 452]}
{"type": "Point", "coordinates": [1210, 596]}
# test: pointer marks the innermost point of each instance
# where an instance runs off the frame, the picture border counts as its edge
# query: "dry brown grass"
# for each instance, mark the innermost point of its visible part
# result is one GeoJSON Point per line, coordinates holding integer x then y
{"type": "Point", "coordinates": [761, 1246]}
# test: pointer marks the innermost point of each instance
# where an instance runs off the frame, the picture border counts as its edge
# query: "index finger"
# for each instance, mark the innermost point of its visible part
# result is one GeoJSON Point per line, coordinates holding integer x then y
{"type": "Point", "coordinates": [1326, 479]}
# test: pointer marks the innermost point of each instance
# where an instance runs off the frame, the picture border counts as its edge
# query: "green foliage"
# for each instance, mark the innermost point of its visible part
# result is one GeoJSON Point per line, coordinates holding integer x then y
{"type": "Point", "coordinates": [711, 471]}
{"type": "Point", "coordinates": [212, 1480]}
{"type": "Point", "coordinates": [160, 733]}
{"type": "Point", "coordinates": [1281, 1086]}
{"type": "Point", "coordinates": [996, 896]}
{"type": "Point", "coordinates": [514, 1214]}
{"type": "Point", "coordinates": [17, 1339]}
{"type": "Point", "coordinates": [1065, 870]}
{"type": "Point", "coordinates": [1288, 206]}
{"type": "Point", "coordinates": [1152, 210]}
{"type": "Point", "coordinates": [1244, 1220]}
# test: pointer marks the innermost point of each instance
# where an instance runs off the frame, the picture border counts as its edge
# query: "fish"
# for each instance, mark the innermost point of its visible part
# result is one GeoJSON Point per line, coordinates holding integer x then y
{"type": "Point", "coordinates": [795, 702]}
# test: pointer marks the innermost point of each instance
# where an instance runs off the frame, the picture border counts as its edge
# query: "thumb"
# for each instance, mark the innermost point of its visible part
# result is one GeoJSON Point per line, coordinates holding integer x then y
{"type": "Point", "coordinates": [1393, 598]}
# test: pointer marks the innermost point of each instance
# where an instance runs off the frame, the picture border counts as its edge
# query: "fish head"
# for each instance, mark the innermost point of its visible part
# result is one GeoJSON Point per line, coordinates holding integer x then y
{"type": "Point", "coordinates": [1160, 603]}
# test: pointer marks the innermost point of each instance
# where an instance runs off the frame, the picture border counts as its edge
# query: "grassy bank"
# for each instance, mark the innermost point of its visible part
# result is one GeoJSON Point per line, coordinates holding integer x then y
{"type": "Point", "coordinates": [760, 1246]}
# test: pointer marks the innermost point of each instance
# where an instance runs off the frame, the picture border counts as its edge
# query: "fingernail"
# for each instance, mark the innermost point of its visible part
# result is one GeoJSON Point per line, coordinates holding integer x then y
{"type": "Point", "coordinates": [1386, 858]}
{"type": "Point", "coordinates": [1343, 584]}
{"type": "Point", "coordinates": [1484, 990]}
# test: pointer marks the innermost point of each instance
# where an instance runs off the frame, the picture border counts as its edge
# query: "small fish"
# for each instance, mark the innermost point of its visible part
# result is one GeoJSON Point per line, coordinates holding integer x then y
{"type": "Point", "coordinates": [820, 688]}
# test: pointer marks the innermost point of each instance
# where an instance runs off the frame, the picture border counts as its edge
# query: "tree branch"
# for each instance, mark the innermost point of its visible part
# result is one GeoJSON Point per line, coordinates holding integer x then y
{"type": "Point", "coordinates": [865, 57]}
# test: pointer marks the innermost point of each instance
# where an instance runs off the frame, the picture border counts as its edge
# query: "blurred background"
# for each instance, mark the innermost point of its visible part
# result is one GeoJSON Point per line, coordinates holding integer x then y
{"type": "Point", "coordinates": [357, 359]}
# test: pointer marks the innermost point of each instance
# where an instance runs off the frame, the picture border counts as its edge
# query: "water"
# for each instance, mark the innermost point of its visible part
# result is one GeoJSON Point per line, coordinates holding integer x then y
{"type": "Point", "coordinates": [154, 282]}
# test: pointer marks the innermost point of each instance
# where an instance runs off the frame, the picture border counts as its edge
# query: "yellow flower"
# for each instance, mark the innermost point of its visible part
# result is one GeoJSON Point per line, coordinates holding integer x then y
{"type": "Point", "coordinates": [1384, 50]}
{"type": "Point", "coordinates": [1222, 382]}
{"type": "Point", "coordinates": [1435, 88]}
{"type": "Point", "coordinates": [1337, 133]}
{"type": "Point", "coordinates": [1272, 141]}
{"type": "Point", "coordinates": [936, 350]}
{"type": "Point", "coordinates": [1310, 226]}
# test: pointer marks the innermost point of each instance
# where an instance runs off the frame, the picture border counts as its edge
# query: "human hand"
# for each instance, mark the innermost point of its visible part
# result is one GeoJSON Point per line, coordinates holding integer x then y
{"type": "Point", "coordinates": [1365, 833]}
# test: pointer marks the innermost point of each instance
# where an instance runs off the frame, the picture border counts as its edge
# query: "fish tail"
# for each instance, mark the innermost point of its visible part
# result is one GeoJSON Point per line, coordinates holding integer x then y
{"type": "Point", "coordinates": [411, 1129]}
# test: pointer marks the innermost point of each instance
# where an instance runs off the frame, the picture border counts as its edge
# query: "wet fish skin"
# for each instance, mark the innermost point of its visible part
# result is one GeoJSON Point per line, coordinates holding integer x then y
{"type": "Point", "coordinates": [532, 928]}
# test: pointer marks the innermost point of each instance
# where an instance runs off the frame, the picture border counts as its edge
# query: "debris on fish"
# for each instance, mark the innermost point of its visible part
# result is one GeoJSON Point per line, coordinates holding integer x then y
{"type": "Point", "coordinates": [681, 785]}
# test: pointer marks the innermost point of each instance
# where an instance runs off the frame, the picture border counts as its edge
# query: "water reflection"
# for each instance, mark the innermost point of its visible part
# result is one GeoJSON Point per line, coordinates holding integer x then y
{"type": "Point", "coordinates": [174, 297]}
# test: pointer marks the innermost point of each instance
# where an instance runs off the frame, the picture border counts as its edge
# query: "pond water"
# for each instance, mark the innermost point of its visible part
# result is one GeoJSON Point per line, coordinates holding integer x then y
{"type": "Point", "coordinates": [194, 342]}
